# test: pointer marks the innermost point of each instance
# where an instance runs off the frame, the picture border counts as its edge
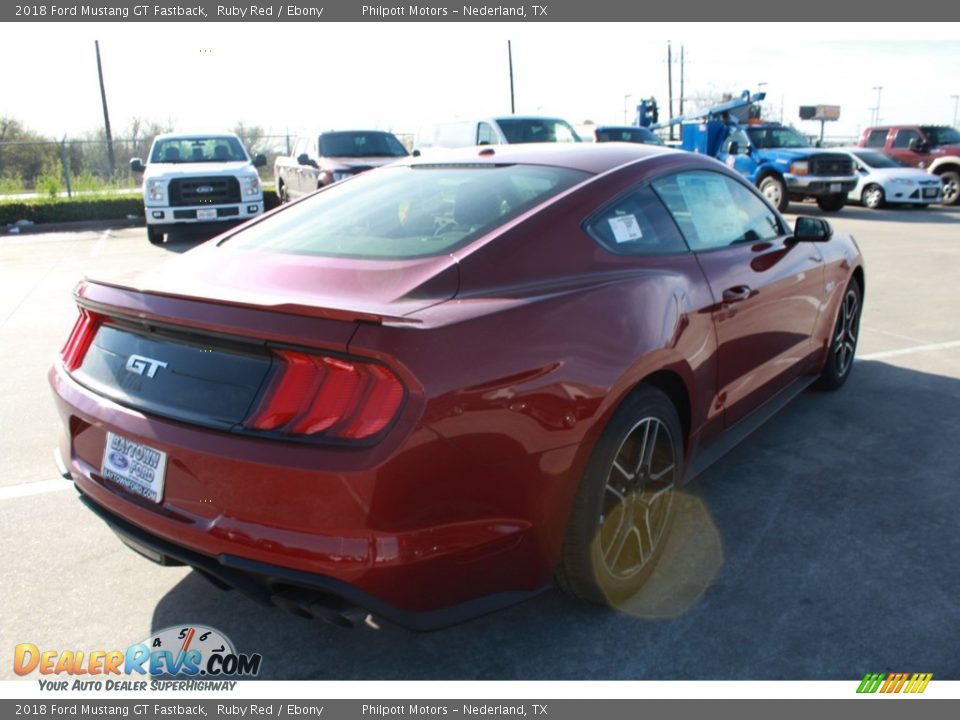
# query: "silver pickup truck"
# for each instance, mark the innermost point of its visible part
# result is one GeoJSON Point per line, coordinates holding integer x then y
{"type": "Point", "coordinates": [325, 158]}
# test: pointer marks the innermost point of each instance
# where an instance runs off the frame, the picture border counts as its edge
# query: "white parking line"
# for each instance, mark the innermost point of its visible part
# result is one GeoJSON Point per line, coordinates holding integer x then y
{"type": "Point", "coordinates": [910, 350]}
{"type": "Point", "coordinates": [34, 488]}
{"type": "Point", "coordinates": [893, 334]}
{"type": "Point", "coordinates": [98, 248]}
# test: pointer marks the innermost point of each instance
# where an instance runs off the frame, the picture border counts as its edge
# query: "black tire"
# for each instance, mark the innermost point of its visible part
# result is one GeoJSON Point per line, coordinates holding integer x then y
{"type": "Point", "coordinates": [843, 342]}
{"type": "Point", "coordinates": [774, 190]}
{"type": "Point", "coordinates": [951, 187]}
{"type": "Point", "coordinates": [603, 560]}
{"type": "Point", "coordinates": [873, 197]}
{"type": "Point", "coordinates": [282, 193]}
{"type": "Point", "coordinates": [831, 203]}
{"type": "Point", "coordinates": [154, 235]}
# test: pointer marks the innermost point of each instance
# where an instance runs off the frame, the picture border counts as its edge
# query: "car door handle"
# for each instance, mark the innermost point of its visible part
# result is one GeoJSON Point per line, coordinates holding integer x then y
{"type": "Point", "coordinates": [738, 293]}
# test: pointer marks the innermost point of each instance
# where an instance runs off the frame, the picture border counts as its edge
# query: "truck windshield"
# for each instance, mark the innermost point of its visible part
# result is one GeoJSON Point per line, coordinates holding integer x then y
{"type": "Point", "coordinates": [361, 144]}
{"type": "Point", "coordinates": [198, 149]}
{"type": "Point", "coordinates": [533, 130]}
{"type": "Point", "coordinates": [406, 212]}
{"type": "Point", "coordinates": [941, 135]}
{"type": "Point", "coordinates": [762, 137]}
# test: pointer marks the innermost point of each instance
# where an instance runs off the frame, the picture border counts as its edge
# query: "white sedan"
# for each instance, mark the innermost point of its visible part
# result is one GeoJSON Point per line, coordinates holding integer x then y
{"type": "Point", "coordinates": [885, 180]}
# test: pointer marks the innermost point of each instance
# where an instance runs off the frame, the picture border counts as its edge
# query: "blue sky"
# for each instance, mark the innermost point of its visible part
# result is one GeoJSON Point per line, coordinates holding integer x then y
{"type": "Point", "coordinates": [287, 76]}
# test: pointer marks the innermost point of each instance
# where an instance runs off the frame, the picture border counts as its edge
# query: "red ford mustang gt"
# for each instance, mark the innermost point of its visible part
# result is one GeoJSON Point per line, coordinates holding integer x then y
{"type": "Point", "coordinates": [431, 390]}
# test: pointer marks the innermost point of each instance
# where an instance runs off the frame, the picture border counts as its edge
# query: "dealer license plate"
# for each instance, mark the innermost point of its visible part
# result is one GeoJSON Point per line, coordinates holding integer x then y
{"type": "Point", "coordinates": [137, 467]}
{"type": "Point", "coordinates": [207, 214]}
{"type": "Point", "coordinates": [835, 187]}
{"type": "Point", "coordinates": [930, 192]}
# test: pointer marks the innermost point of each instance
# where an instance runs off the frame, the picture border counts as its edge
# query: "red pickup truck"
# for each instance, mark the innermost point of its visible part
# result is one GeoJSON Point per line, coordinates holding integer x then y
{"type": "Point", "coordinates": [935, 148]}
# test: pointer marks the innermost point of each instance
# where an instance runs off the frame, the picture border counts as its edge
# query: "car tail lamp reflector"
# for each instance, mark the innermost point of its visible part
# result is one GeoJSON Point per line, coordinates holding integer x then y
{"type": "Point", "coordinates": [80, 338]}
{"type": "Point", "coordinates": [329, 397]}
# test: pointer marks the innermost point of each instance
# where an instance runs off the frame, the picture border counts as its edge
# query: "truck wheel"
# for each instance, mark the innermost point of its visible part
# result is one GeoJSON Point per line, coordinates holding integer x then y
{"type": "Point", "coordinates": [154, 235]}
{"type": "Point", "coordinates": [951, 187]}
{"type": "Point", "coordinates": [775, 191]}
{"type": "Point", "coordinates": [831, 203]}
{"type": "Point", "coordinates": [873, 197]}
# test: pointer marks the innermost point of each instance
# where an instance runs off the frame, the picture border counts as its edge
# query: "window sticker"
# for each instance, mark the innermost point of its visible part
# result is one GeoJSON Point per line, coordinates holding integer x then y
{"type": "Point", "coordinates": [625, 228]}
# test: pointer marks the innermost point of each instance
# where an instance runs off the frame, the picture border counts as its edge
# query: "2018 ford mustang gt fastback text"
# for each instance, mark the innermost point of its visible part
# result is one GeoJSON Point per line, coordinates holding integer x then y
{"type": "Point", "coordinates": [438, 387]}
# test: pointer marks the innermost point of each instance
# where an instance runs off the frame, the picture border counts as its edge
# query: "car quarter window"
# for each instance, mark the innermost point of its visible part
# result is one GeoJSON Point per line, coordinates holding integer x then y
{"type": "Point", "coordinates": [715, 211]}
{"type": "Point", "coordinates": [636, 224]}
{"type": "Point", "coordinates": [877, 138]}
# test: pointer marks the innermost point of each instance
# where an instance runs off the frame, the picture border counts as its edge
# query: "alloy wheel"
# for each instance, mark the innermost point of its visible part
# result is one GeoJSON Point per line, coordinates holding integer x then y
{"type": "Point", "coordinates": [638, 499]}
{"type": "Point", "coordinates": [873, 197]}
{"type": "Point", "coordinates": [951, 189]}
{"type": "Point", "coordinates": [848, 328]}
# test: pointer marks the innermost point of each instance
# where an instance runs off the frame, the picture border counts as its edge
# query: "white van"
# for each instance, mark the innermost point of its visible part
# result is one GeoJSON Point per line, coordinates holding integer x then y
{"type": "Point", "coordinates": [505, 129]}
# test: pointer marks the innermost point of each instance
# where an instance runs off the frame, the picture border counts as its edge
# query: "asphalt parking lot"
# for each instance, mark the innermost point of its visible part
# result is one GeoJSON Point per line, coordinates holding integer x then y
{"type": "Point", "coordinates": [825, 546]}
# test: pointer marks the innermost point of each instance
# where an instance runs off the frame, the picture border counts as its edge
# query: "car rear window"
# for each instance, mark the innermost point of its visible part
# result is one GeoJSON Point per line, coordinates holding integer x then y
{"type": "Point", "coordinates": [536, 130]}
{"type": "Point", "coordinates": [634, 135]}
{"type": "Point", "coordinates": [361, 144]}
{"type": "Point", "coordinates": [197, 149]}
{"type": "Point", "coordinates": [405, 212]}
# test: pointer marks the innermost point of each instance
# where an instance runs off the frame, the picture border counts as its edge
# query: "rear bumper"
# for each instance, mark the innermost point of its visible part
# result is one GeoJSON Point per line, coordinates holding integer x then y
{"type": "Point", "coordinates": [413, 529]}
{"type": "Point", "coordinates": [304, 594]}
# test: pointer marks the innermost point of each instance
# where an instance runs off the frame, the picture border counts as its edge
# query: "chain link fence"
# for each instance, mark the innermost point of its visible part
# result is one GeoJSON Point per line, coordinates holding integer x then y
{"type": "Point", "coordinates": [74, 166]}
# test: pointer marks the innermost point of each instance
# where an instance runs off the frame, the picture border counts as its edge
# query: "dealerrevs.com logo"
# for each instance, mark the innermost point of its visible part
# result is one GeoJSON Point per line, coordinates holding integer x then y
{"type": "Point", "coordinates": [181, 657]}
{"type": "Point", "coordinates": [894, 683]}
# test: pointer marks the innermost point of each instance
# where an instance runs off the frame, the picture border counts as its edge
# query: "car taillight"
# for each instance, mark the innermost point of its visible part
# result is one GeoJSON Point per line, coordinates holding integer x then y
{"type": "Point", "coordinates": [332, 397]}
{"type": "Point", "coordinates": [80, 338]}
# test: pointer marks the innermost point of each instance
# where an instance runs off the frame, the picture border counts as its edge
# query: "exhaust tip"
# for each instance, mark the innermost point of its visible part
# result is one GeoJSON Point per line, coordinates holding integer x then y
{"type": "Point", "coordinates": [311, 604]}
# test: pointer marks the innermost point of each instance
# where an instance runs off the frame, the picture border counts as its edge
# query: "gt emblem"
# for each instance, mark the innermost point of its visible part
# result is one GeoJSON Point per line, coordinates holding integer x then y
{"type": "Point", "coordinates": [139, 365]}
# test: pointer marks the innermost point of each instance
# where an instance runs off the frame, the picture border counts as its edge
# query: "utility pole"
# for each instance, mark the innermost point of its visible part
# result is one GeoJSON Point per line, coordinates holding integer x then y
{"type": "Point", "coordinates": [513, 109]}
{"type": "Point", "coordinates": [670, 86]}
{"type": "Point", "coordinates": [956, 102]}
{"type": "Point", "coordinates": [879, 89]}
{"type": "Point", "coordinates": [106, 116]}
{"type": "Point", "coordinates": [681, 83]}
{"type": "Point", "coordinates": [626, 101]}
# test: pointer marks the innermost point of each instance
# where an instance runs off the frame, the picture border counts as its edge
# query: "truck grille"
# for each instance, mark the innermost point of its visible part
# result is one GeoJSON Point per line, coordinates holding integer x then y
{"type": "Point", "coordinates": [830, 165]}
{"type": "Point", "coordinates": [204, 191]}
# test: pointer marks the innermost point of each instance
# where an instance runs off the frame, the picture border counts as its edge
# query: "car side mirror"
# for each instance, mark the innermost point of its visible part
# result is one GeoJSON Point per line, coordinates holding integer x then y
{"type": "Point", "coordinates": [136, 165]}
{"type": "Point", "coordinates": [919, 145]}
{"type": "Point", "coordinates": [260, 160]}
{"type": "Point", "coordinates": [304, 159]}
{"type": "Point", "coordinates": [734, 147]}
{"type": "Point", "coordinates": [811, 229]}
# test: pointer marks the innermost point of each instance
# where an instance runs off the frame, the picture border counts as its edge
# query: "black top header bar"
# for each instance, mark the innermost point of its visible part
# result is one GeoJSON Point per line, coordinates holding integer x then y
{"type": "Point", "coordinates": [452, 11]}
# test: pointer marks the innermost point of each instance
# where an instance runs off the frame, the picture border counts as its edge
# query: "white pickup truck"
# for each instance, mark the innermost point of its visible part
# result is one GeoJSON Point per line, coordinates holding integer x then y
{"type": "Point", "coordinates": [201, 180]}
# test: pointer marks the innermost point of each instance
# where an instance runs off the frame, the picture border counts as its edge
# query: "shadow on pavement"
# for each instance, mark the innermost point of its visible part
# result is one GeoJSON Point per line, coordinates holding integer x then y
{"type": "Point", "coordinates": [823, 547]}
